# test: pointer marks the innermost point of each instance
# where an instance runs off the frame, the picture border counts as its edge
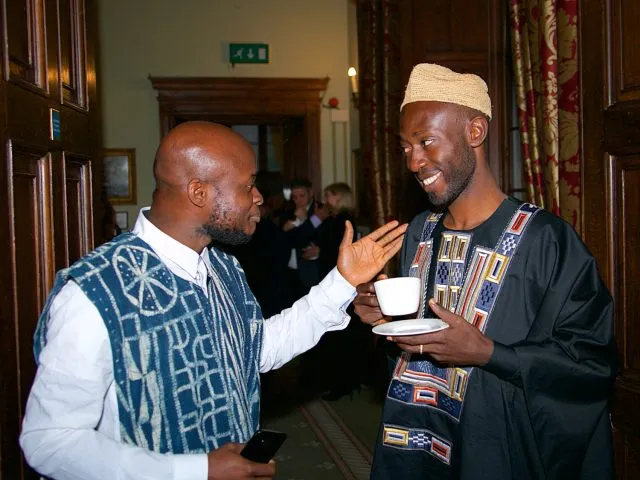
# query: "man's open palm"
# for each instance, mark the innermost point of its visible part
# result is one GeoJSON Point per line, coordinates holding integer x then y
{"type": "Point", "coordinates": [359, 262]}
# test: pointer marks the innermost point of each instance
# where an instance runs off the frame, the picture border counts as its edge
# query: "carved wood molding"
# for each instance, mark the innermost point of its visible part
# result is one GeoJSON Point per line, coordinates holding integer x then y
{"type": "Point", "coordinates": [186, 95]}
{"type": "Point", "coordinates": [259, 100]}
{"type": "Point", "coordinates": [230, 85]}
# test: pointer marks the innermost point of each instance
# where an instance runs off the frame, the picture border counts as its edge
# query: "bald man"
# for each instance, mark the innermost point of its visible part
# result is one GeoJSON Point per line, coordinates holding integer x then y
{"type": "Point", "coordinates": [149, 348]}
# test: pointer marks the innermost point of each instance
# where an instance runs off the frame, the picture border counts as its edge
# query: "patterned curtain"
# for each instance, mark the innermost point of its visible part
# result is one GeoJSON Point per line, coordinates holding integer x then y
{"type": "Point", "coordinates": [379, 103]}
{"type": "Point", "coordinates": [544, 38]}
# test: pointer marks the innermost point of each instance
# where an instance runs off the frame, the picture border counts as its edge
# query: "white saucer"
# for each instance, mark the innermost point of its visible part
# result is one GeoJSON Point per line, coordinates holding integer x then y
{"type": "Point", "coordinates": [410, 327]}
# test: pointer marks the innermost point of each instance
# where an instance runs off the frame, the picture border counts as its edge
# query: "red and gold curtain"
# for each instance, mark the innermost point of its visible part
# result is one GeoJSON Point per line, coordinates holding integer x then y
{"type": "Point", "coordinates": [544, 36]}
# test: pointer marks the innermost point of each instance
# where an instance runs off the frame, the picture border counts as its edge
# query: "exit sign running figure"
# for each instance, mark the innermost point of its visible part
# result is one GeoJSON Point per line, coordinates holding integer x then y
{"type": "Point", "coordinates": [248, 53]}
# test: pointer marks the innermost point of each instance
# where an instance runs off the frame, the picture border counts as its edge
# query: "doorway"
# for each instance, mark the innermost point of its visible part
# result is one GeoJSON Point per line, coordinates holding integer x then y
{"type": "Point", "coordinates": [285, 110]}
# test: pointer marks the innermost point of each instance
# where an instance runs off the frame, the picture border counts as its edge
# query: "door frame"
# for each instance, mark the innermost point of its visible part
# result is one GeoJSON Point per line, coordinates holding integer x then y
{"type": "Point", "coordinates": [610, 110]}
{"type": "Point", "coordinates": [235, 100]}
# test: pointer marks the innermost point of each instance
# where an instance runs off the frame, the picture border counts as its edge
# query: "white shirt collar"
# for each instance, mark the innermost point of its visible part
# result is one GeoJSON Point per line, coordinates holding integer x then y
{"type": "Point", "coordinates": [169, 248]}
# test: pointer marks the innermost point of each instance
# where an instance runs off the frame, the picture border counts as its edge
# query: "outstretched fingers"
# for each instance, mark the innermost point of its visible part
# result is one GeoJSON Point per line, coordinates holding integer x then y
{"type": "Point", "coordinates": [383, 230]}
{"type": "Point", "coordinates": [393, 235]}
{"type": "Point", "coordinates": [392, 248]}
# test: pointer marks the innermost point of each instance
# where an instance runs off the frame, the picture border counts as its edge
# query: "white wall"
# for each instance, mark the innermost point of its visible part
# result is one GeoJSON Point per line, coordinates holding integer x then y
{"type": "Point", "coordinates": [138, 38]}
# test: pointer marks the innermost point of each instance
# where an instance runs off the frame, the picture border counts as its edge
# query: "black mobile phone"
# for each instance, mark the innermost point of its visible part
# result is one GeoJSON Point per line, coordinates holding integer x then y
{"type": "Point", "coordinates": [263, 445]}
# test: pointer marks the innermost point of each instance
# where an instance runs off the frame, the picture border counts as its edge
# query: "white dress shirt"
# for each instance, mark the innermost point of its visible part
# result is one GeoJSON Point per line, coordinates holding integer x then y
{"type": "Point", "coordinates": [71, 427]}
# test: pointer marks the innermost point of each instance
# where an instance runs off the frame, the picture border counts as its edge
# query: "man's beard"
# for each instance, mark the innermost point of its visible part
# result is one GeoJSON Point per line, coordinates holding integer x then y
{"type": "Point", "coordinates": [459, 181]}
{"type": "Point", "coordinates": [219, 229]}
{"type": "Point", "coordinates": [227, 236]}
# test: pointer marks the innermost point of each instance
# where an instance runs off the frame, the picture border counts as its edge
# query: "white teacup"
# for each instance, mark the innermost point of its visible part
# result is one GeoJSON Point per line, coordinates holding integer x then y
{"type": "Point", "coordinates": [398, 296]}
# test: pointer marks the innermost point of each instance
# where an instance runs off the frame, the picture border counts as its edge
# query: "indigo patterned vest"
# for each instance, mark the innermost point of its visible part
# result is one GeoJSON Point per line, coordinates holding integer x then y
{"type": "Point", "coordinates": [185, 366]}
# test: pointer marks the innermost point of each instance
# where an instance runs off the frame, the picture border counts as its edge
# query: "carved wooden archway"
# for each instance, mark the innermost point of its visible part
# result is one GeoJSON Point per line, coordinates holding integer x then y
{"type": "Point", "coordinates": [247, 101]}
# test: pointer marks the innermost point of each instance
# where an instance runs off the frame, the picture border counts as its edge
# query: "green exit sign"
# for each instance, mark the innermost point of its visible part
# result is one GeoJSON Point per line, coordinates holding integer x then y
{"type": "Point", "coordinates": [248, 53]}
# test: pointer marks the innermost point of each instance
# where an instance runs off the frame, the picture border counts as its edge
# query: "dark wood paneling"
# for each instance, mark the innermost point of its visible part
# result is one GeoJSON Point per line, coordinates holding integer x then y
{"type": "Point", "coordinates": [78, 213]}
{"type": "Point", "coordinates": [33, 267]}
{"type": "Point", "coordinates": [620, 129]}
{"type": "Point", "coordinates": [465, 13]}
{"type": "Point", "coordinates": [596, 186]}
{"type": "Point", "coordinates": [68, 67]}
{"type": "Point", "coordinates": [625, 50]}
{"type": "Point", "coordinates": [437, 15]}
{"type": "Point", "coordinates": [626, 420]}
{"type": "Point", "coordinates": [25, 36]}
{"type": "Point", "coordinates": [73, 70]}
{"type": "Point", "coordinates": [448, 26]}
{"type": "Point", "coordinates": [45, 198]}
{"type": "Point", "coordinates": [467, 36]}
{"type": "Point", "coordinates": [626, 173]}
{"type": "Point", "coordinates": [94, 128]}
{"type": "Point", "coordinates": [609, 58]}
{"type": "Point", "coordinates": [58, 176]}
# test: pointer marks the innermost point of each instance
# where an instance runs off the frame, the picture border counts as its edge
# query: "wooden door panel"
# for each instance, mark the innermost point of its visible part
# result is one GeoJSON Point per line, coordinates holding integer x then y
{"type": "Point", "coordinates": [26, 45]}
{"type": "Point", "coordinates": [621, 141]}
{"type": "Point", "coordinates": [295, 148]}
{"type": "Point", "coordinates": [625, 50]}
{"type": "Point", "coordinates": [73, 68]}
{"type": "Point", "coordinates": [626, 419]}
{"type": "Point", "coordinates": [439, 37]}
{"type": "Point", "coordinates": [32, 127]}
{"type": "Point", "coordinates": [75, 124]}
{"type": "Point", "coordinates": [610, 89]}
{"type": "Point", "coordinates": [32, 243]}
{"type": "Point", "coordinates": [463, 14]}
{"type": "Point", "coordinates": [78, 196]}
{"type": "Point", "coordinates": [49, 62]}
{"type": "Point", "coordinates": [626, 171]}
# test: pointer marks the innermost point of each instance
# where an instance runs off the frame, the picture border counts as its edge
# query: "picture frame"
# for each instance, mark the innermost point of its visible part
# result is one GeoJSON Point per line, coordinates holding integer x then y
{"type": "Point", "coordinates": [122, 220]}
{"type": "Point", "coordinates": [120, 175]}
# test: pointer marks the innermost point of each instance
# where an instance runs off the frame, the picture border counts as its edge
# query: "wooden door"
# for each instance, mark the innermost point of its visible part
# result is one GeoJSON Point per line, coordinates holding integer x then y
{"type": "Point", "coordinates": [291, 102]}
{"type": "Point", "coordinates": [51, 164]}
{"type": "Point", "coordinates": [294, 139]}
{"type": "Point", "coordinates": [610, 77]}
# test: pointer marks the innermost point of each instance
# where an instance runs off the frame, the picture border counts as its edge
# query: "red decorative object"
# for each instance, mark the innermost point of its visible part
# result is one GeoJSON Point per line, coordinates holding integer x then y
{"type": "Point", "coordinates": [333, 102]}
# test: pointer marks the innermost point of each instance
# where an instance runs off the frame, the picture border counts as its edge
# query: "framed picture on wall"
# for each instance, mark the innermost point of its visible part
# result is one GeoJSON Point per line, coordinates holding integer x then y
{"type": "Point", "coordinates": [120, 175]}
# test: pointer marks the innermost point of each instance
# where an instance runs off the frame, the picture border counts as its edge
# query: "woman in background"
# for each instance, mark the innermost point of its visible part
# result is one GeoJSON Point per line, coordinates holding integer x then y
{"type": "Point", "coordinates": [339, 208]}
{"type": "Point", "coordinates": [339, 357]}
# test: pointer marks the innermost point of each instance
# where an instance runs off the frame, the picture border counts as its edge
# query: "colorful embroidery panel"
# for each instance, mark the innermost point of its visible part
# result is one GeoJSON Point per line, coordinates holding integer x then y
{"type": "Point", "coordinates": [470, 294]}
{"type": "Point", "coordinates": [450, 268]}
{"type": "Point", "coordinates": [417, 439]}
{"type": "Point", "coordinates": [422, 259]}
{"type": "Point", "coordinates": [420, 382]}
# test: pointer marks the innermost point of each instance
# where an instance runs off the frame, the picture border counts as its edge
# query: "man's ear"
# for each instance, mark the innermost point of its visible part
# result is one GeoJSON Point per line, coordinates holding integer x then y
{"type": "Point", "coordinates": [197, 193]}
{"type": "Point", "coordinates": [477, 131]}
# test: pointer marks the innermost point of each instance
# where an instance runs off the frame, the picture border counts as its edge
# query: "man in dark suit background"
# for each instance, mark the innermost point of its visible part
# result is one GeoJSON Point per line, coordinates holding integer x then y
{"type": "Point", "coordinates": [300, 228]}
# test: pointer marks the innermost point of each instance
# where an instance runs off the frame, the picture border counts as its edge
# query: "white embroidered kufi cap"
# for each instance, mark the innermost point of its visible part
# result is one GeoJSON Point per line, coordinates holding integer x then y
{"type": "Point", "coordinates": [434, 83]}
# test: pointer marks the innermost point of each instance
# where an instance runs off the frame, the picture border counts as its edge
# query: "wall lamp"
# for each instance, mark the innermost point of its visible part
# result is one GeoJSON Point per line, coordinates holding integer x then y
{"type": "Point", "coordinates": [353, 76]}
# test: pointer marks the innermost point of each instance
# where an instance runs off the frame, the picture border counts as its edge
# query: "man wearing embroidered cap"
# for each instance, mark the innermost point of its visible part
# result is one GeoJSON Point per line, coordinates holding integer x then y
{"type": "Point", "coordinates": [518, 385]}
